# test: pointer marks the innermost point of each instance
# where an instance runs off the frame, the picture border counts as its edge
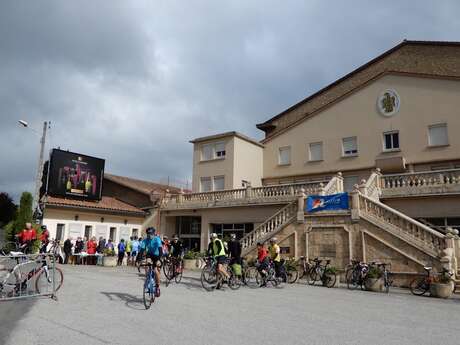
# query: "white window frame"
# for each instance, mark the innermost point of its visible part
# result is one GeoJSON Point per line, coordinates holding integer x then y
{"type": "Point", "coordinates": [205, 178]}
{"type": "Point", "coordinates": [392, 149]}
{"type": "Point", "coordinates": [203, 158]}
{"type": "Point", "coordinates": [284, 148]}
{"type": "Point", "coordinates": [438, 125]}
{"type": "Point", "coordinates": [219, 154]}
{"type": "Point", "coordinates": [214, 183]}
{"type": "Point", "coordinates": [214, 152]}
{"type": "Point", "coordinates": [310, 145]}
{"type": "Point", "coordinates": [350, 153]}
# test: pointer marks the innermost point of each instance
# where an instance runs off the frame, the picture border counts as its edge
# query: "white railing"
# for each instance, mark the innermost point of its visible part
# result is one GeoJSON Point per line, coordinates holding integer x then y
{"type": "Point", "coordinates": [372, 186]}
{"type": "Point", "coordinates": [421, 179]}
{"type": "Point", "coordinates": [334, 186]}
{"type": "Point", "coordinates": [274, 193]}
{"type": "Point", "coordinates": [265, 230]}
{"type": "Point", "coordinates": [401, 225]}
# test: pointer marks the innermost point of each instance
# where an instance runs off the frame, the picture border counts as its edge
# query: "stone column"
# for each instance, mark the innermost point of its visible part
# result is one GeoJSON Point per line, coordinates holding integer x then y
{"type": "Point", "coordinates": [301, 206]}
{"type": "Point", "coordinates": [248, 191]}
{"type": "Point", "coordinates": [355, 203]}
{"type": "Point", "coordinates": [339, 178]}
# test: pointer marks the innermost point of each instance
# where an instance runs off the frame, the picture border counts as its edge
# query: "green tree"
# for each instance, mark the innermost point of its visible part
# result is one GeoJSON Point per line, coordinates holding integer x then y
{"type": "Point", "coordinates": [23, 216]}
{"type": "Point", "coordinates": [7, 209]}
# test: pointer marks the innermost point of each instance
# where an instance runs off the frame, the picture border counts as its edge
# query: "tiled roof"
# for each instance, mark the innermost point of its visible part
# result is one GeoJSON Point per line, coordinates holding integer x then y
{"type": "Point", "coordinates": [227, 134]}
{"type": "Point", "coordinates": [106, 204]}
{"type": "Point", "coordinates": [142, 186]}
{"type": "Point", "coordinates": [435, 58]}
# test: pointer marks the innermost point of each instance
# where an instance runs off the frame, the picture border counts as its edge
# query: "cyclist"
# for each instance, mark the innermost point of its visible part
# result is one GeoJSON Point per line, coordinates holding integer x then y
{"type": "Point", "coordinates": [134, 250]}
{"type": "Point", "coordinates": [176, 250]}
{"type": "Point", "coordinates": [154, 250]}
{"type": "Point", "coordinates": [274, 251]}
{"type": "Point", "coordinates": [219, 254]}
{"type": "Point", "coordinates": [234, 249]}
{"type": "Point", "coordinates": [27, 237]}
{"type": "Point", "coordinates": [44, 239]}
{"type": "Point", "coordinates": [165, 243]}
{"type": "Point", "coordinates": [262, 260]}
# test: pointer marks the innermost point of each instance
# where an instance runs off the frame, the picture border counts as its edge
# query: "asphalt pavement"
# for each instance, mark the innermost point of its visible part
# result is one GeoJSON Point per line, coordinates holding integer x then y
{"type": "Point", "coordinates": [99, 305]}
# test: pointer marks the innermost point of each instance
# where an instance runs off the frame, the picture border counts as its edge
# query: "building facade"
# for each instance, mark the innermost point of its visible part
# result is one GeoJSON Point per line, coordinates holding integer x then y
{"type": "Point", "coordinates": [385, 133]}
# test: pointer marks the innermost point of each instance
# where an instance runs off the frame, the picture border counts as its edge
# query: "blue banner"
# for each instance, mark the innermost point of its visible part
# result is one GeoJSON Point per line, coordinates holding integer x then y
{"type": "Point", "coordinates": [317, 203]}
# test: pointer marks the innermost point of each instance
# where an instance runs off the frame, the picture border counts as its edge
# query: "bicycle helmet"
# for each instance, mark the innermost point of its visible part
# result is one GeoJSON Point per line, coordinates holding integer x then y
{"type": "Point", "coordinates": [150, 231]}
{"type": "Point", "coordinates": [213, 235]}
{"type": "Point", "coordinates": [273, 240]}
{"type": "Point", "coordinates": [232, 236]}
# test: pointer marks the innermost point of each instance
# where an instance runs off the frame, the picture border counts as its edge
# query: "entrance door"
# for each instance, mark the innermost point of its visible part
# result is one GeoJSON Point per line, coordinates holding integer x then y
{"type": "Point", "coordinates": [189, 230]}
{"type": "Point", "coordinates": [113, 234]}
{"type": "Point", "coordinates": [88, 231]}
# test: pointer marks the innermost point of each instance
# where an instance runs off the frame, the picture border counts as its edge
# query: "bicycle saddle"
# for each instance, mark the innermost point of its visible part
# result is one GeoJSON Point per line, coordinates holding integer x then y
{"type": "Point", "coordinates": [428, 268]}
{"type": "Point", "coordinates": [16, 253]}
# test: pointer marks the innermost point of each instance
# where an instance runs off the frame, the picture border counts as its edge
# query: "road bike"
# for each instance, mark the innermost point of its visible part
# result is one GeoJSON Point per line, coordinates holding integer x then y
{"type": "Point", "coordinates": [173, 268]}
{"type": "Point", "coordinates": [421, 285]}
{"type": "Point", "coordinates": [211, 279]}
{"type": "Point", "coordinates": [47, 279]}
{"type": "Point", "coordinates": [324, 274]}
{"type": "Point", "coordinates": [303, 268]}
{"type": "Point", "coordinates": [356, 274]}
{"type": "Point", "coordinates": [150, 291]}
{"type": "Point", "coordinates": [386, 276]}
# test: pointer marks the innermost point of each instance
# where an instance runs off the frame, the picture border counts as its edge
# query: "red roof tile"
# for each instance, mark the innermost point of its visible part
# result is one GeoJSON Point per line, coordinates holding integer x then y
{"type": "Point", "coordinates": [106, 203]}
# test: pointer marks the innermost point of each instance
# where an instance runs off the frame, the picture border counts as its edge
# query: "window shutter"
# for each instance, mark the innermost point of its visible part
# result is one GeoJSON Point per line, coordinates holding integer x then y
{"type": "Point", "coordinates": [438, 135]}
{"type": "Point", "coordinates": [219, 183]}
{"type": "Point", "coordinates": [284, 155]}
{"type": "Point", "coordinates": [316, 151]}
{"type": "Point", "coordinates": [205, 184]}
{"type": "Point", "coordinates": [206, 152]}
{"type": "Point", "coordinates": [350, 146]}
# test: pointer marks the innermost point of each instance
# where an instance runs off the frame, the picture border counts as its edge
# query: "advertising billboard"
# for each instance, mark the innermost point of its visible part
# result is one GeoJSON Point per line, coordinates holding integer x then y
{"type": "Point", "coordinates": [75, 175]}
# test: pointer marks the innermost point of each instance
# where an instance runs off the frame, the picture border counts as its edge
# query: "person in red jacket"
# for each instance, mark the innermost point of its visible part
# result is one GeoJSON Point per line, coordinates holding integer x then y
{"type": "Point", "coordinates": [91, 249]}
{"type": "Point", "coordinates": [44, 239]}
{"type": "Point", "coordinates": [26, 238]}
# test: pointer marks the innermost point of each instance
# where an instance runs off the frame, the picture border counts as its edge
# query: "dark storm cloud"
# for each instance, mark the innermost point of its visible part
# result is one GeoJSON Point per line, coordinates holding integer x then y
{"type": "Point", "coordinates": [132, 82]}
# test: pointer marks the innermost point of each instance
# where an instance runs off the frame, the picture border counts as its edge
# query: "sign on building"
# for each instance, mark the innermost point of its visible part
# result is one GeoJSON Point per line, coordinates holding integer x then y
{"type": "Point", "coordinates": [317, 203]}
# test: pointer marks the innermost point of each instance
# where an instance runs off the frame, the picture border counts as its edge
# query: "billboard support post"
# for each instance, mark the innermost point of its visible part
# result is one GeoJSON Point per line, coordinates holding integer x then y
{"type": "Point", "coordinates": [38, 179]}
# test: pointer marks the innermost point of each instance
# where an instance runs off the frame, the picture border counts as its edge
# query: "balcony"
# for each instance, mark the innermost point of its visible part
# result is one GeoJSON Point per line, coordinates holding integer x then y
{"type": "Point", "coordinates": [423, 183]}
{"type": "Point", "coordinates": [277, 194]}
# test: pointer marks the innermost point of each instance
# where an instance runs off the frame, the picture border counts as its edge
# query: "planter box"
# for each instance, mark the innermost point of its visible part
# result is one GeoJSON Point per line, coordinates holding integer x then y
{"type": "Point", "coordinates": [191, 264]}
{"type": "Point", "coordinates": [109, 261]}
{"type": "Point", "coordinates": [374, 284]}
{"type": "Point", "coordinates": [441, 290]}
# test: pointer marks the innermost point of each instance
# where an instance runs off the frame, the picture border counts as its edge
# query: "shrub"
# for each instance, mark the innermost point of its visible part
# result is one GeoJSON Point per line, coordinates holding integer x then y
{"type": "Point", "coordinates": [444, 277]}
{"type": "Point", "coordinates": [374, 273]}
{"type": "Point", "coordinates": [108, 252]}
{"type": "Point", "coordinates": [331, 270]}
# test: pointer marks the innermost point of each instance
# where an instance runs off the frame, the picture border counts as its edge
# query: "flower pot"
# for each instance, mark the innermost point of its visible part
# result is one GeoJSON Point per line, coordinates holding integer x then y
{"type": "Point", "coordinates": [374, 284]}
{"type": "Point", "coordinates": [190, 264]}
{"type": "Point", "coordinates": [441, 290]}
{"type": "Point", "coordinates": [109, 261]}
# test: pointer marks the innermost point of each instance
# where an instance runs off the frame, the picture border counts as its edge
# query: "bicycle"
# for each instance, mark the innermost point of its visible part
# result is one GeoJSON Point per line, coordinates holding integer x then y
{"type": "Point", "coordinates": [387, 282]}
{"type": "Point", "coordinates": [291, 271]}
{"type": "Point", "coordinates": [149, 291]}
{"type": "Point", "coordinates": [421, 285]}
{"type": "Point", "coordinates": [44, 279]}
{"type": "Point", "coordinates": [211, 279]}
{"type": "Point", "coordinates": [324, 274]}
{"type": "Point", "coordinates": [173, 268]}
{"type": "Point", "coordinates": [303, 268]}
{"type": "Point", "coordinates": [356, 274]}
{"type": "Point", "coordinates": [9, 247]}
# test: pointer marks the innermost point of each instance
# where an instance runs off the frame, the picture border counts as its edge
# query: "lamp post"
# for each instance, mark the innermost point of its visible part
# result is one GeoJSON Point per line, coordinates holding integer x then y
{"type": "Point", "coordinates": [38, 178]}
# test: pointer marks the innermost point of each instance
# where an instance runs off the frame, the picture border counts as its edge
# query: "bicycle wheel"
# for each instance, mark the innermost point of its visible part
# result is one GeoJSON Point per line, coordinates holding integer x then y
{"type": "Point", "coordinates": [178, 273]}
{"type": "Point", "coordinates": [329, 279]}
{"type": "Point", "coordinates": [352, 277]}
{"type": "Point", "coordinates": [44, 280]}
{"type": "Point", "coordinates": [419, 286]}
{"type": "Point", "coordinates": [209, 278]}
{"type": "Point", "coordinates": [234, 282]}
{"type": "Point", "coordinates": [169, 274]}
{"type": "Point", "coordinates": [148, 293]}
{"type": "Point", "coordinates": [314, 276]}
{"type": "Point", "coordinates": [292, 275]}
{"type": "Point", "coordinates": [301, 272]}
{"type": "Point", "coordinates": [252, 277]}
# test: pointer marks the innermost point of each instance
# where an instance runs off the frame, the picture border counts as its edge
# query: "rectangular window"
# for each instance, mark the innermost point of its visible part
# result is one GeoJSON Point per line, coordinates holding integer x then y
{"type": "Point", "coordinates": [135, 233]}
{"type": "Point", "coordinates": [391, 140]}
{"type": "Point", "coordinates": [350, 146]}
{"type": "Point", "coordinates": [284, 155]}
{"type": "Point", "coordinates": [437, 135]}
{"type": "Point", "coordinates": [205, 184]}
{"type": "Point", "coordinates": [220, 150]}
{"type": "Point", "coordinates": [207, 152]}
{"type": "Point", "coordinates": [316, 151]}
{"type": "Point", "coordinates": [60, 232]}
{"type": "Point", "coordinates": [113, 234]}
{"type": "Point", "coordinates": [88, 231]}
{"type": "Point", "coordinates": [219, 182]}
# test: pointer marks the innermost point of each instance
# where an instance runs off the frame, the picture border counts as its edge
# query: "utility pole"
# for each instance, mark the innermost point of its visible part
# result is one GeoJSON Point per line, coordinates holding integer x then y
{"type": "Point", "coordinates": [38, 180]}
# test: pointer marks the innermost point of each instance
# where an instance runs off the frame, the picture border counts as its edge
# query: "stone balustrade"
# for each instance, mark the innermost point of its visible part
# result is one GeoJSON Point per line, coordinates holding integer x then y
{"type": "Point", "coordinates": [265, 230]}
{"type": "Point", "coordinates": [238, 197]}
{"type": "Point", "coordinates": [421, 183]}
{"type": "Point", "coordinates": [401, 225]}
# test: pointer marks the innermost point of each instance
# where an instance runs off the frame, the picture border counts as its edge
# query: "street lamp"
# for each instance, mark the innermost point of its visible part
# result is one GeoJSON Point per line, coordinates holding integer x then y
{"type": "Point", "coordinates": [38, 178]}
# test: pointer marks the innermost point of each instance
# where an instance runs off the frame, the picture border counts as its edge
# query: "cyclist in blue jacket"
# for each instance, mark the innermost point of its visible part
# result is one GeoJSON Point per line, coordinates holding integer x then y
{"type": "Point", "coordinates": [152, 247]}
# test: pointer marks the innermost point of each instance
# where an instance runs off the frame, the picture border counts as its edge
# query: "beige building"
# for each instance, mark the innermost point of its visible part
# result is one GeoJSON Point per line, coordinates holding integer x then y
{"type": "Point", "coordinates": [385, 133]}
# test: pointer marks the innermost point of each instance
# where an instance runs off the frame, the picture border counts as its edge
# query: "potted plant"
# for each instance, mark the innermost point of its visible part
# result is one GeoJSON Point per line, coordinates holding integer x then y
{"type": "Point", "coordinates": [374, 281]}
{"type": "Point", "coordinates": [442, 286]}
{"type": "Point", "coordinates": [109, 258]}
{"type": "Point", "coordinates": [190, 260]}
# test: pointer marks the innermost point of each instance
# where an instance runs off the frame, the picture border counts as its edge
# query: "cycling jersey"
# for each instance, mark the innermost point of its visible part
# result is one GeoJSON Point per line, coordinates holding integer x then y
{"type": "Point", "coordinates": [151, 246]}
{"type": "Point", "coordinates": [218, 248]}
{"type": "Point", "coordinates": [176, 248]}
{"type": "Point", "coordinates": [262, 254]}
{"type": "Point", "coordinates": [275, 252]}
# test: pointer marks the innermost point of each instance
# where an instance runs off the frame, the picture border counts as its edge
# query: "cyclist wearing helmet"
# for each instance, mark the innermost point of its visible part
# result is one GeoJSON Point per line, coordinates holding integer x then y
{"type": "Point", "coordinates": [274, 250]}
{"type": "Point", "coordinates": [176, 247]}
{"type": "Point", "coordinates": [234, 249]}
{"type": "Point", "coordinates": [153, 251]}
{"type": "Point", "coordinates": [218, 252]}
{"type": "Point", "coordinates": [44, 239]}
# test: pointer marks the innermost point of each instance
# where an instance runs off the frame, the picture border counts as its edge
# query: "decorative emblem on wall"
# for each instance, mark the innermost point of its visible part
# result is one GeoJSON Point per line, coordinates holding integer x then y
{"type": "Point", "coordinates": [388, 103]}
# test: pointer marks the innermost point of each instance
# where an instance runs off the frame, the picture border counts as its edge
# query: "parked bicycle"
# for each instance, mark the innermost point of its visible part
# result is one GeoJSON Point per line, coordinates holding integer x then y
{"type": "Point", "coordinates": [386, 276]}
{"type": "Point", "coordinates": [421, 285]}
{"type": "Point", "coordinates": [304, 268]}
{"type": "Point", "coordinates": [48, 279]}
{"type": "Point", "coordinates": [324, 274]}
{"type": "Point", "coordinates": [356, 274]}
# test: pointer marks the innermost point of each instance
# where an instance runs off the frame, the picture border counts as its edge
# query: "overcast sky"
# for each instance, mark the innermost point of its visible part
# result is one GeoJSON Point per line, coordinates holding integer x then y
{"type": "Point", "coordinates": [134, 81]}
